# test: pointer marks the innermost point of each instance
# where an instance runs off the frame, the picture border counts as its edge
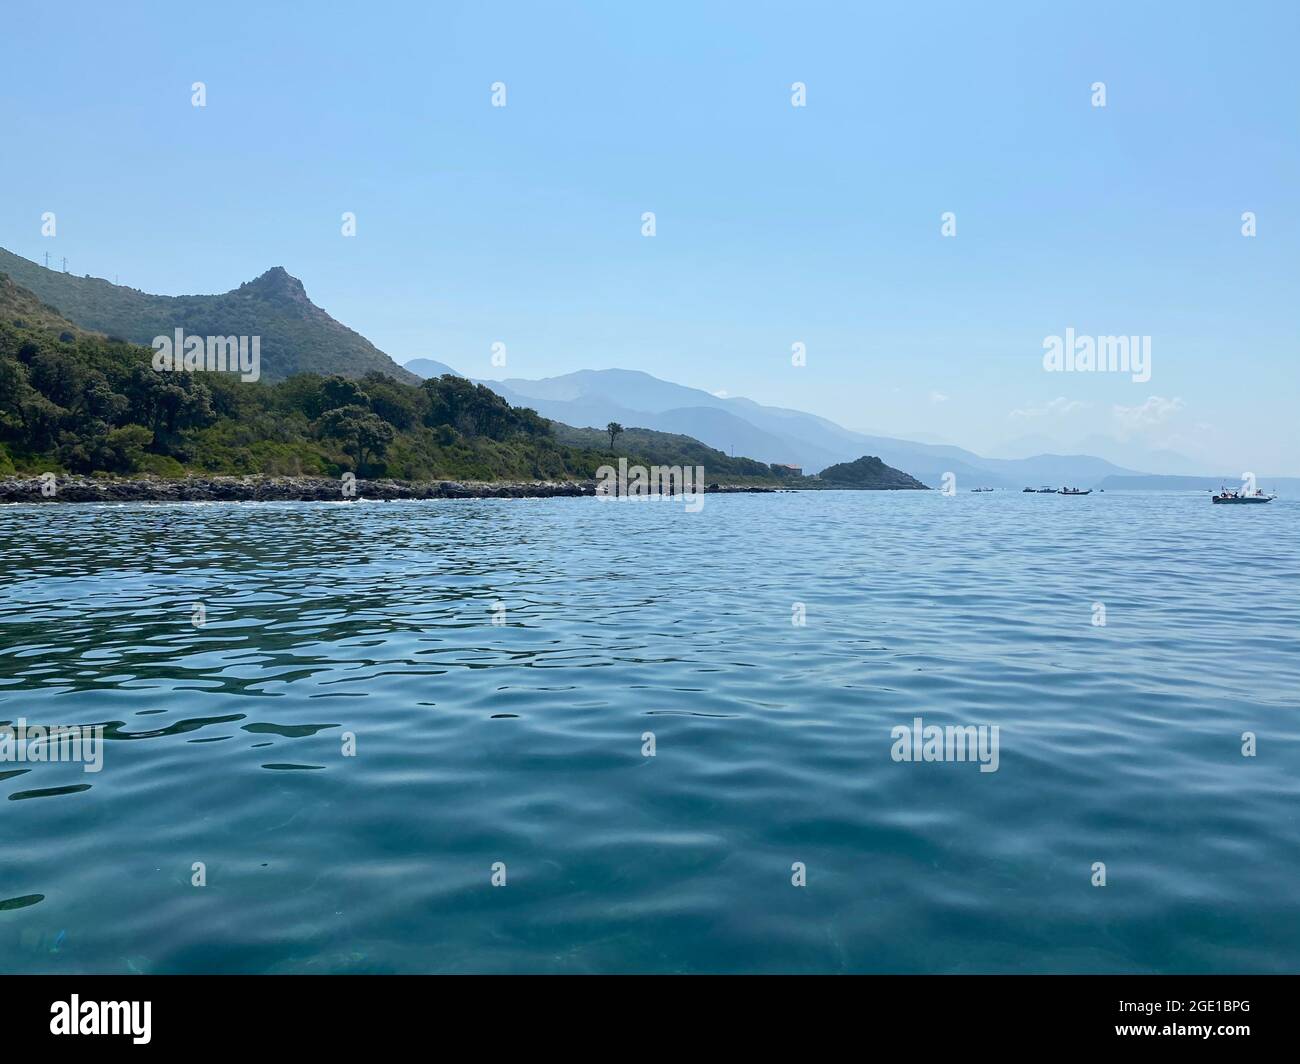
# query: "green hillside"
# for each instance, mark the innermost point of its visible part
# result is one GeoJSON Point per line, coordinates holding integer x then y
{"type": "Point", "coordinates": [22, 308]}
{"type": "Point", "coordinates": [297, 336]}
{"type": "Point", "coordinates": [72, 401]}
{"type": "Point", "coordinates": [669, 449]}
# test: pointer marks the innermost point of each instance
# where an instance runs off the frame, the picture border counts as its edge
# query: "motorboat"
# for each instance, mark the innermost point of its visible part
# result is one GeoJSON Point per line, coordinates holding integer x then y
{"type": "Point", "coordinates": [1226, 495]}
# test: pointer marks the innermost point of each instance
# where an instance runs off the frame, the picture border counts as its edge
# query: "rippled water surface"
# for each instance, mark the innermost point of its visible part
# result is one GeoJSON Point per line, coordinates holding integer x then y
{"type": "Point", "coordinates": [521, 742]}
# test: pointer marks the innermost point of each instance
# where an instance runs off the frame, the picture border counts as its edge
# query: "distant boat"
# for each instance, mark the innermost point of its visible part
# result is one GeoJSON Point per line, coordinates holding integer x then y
{"type": "Point", "coordinates": [1227, 496]}
{"type": "Point", "coordinates": [1075, 491]}
{"type": "Point", "coordinates": [986, 489]}
{"type": "Point", "coordinates": [1045, 490]}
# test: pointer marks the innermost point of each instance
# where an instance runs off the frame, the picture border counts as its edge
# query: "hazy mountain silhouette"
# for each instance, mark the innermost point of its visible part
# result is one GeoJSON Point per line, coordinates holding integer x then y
{"type": "Point", "coordinates": [428, 367]}
{"type": "Point", "coordinates": [776, 434]}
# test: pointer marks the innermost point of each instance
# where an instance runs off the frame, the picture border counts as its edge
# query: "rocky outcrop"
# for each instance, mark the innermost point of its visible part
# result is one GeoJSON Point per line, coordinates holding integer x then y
{"type": "Point", "coordinates": [870, 474]}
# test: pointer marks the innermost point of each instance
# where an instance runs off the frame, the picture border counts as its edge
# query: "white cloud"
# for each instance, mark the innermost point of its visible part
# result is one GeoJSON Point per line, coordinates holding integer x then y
{"type": "Point", "coordinates": [1058, 407]}
{"type": "Point", "coordinates": [1155, 411]}
{"type": "Point", "coordinates": [724, 394]}
{"type": "Point", "coordinates": [938, 397]}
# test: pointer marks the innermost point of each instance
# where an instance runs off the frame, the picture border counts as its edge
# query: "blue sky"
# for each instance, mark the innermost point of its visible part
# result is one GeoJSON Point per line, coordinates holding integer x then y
{"type": "Point", "coordinates": [775, 224]}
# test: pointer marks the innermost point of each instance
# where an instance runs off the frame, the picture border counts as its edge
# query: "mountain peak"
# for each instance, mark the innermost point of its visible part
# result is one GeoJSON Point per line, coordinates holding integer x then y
{"type": "Point", "coordinates": [278, 282]}
{"type": "Point", "coordinates": [296, 335]}
{"type": "Point", "coordinates": [428, 367]}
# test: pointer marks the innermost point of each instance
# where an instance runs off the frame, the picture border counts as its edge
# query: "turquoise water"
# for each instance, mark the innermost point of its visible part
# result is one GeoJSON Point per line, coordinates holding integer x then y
{"type": "Point", "coordinates": [521, 741]}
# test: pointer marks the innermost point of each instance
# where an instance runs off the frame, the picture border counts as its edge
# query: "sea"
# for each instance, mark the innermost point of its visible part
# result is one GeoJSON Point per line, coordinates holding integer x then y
{"type": "Point", "coordinates": [613, 736]}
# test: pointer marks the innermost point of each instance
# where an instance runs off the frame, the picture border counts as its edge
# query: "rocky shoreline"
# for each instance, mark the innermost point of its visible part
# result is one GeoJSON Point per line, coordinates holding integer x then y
{"type": "Point", "coordinates": [290, 489]}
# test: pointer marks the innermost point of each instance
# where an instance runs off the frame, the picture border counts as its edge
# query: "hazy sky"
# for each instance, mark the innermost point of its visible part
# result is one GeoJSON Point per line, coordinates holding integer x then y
{"type": "Point", "coordinates": [775, 224]}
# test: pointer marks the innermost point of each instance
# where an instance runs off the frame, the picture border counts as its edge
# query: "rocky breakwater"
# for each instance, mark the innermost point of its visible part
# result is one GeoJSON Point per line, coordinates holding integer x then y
{"type": "Point", "coordinates": [269, 489]}
{"type": "Point", "coordinates": [49, 489]}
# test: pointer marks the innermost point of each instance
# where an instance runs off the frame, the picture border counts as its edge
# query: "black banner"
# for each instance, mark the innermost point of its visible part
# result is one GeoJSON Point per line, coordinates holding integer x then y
{"type": "Point", "coordinates": [1226, 1014]}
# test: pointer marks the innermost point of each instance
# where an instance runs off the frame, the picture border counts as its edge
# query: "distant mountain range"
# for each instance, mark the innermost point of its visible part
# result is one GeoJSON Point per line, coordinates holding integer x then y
{"type": "Point", "coordinates": [1289, 486]}
{"type": "Point", "coordinates": [297, 336]}
{"type": "Point", "coordinates": [776, 434]}
{"type": "Point", "coordinates": [1132, 454]}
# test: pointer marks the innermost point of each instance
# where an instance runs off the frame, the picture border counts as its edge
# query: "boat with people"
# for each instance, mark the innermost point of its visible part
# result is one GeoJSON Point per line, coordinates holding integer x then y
{"type": "Point", "coordinates": [1228, 495]}
{"type": "Point", "coordinates": [1045, 490]}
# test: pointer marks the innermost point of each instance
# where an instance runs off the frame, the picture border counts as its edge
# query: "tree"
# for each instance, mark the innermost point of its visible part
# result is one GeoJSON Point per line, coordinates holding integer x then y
{"type": "Point", "coordinates": [532, 422]}
{"type": "Point", "coordinates": [92, 444]}
{"type": "Point", "coordinates": [614, 429]}
{"type": "Point", "coordinates": [40, 420]}
{"type": "Point", "coordinates": [340, 391]}
{"type": "Point", "coordinates": [168, 403]}
{"type": "Point", "coordinates": [366, 431]}
{"type": "Point", "coordinates": [60, 378]}
{"type": "Point", "coordinates": [398, 404]}
{"type": "Point", "coordinates": [473, 410]}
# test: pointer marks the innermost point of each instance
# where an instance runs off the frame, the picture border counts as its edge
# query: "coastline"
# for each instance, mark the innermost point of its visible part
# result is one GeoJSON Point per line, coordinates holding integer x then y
{"type": "Point", "coordinates": [259, 488]}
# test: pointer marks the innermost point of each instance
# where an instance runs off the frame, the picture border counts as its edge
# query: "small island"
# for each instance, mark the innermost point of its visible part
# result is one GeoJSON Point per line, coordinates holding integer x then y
{"type": "Point", "coordinates": [868, 474]}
